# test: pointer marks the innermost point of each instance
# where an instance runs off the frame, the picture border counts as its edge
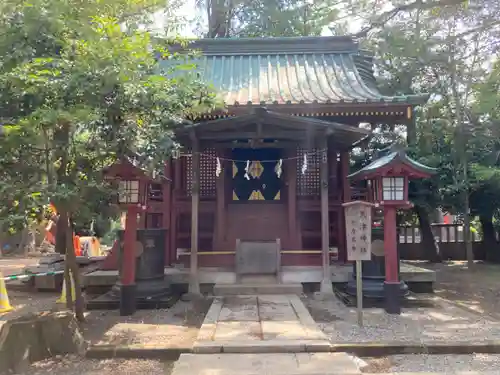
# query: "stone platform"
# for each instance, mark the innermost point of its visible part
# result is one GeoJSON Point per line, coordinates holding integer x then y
{"type": "Point", "coordinates": [412, 275]}
{"type": "Point", "coordinates": [259, 324]}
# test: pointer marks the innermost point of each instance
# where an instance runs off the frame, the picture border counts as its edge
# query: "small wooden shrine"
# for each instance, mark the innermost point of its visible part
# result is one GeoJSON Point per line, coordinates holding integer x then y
{"type": "Point", "coordinates": [274, 165]}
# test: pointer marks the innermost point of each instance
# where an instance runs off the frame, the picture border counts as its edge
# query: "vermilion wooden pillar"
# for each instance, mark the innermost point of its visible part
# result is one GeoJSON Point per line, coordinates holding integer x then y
{"type": "Point", "coordinates": [128, 286]}
{"type": "Point", "coordinates": [390, 245]}
{"type": "Point", "coordinates": [392, 283]}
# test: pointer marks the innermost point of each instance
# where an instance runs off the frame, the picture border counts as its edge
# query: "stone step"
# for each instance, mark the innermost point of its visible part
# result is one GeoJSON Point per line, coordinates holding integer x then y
{"type": "Point", "coordinates": [256, 288]}
{"type": "Point", "coordinates": [258, 279]}
{"type": "Point", "coordinates": [266, 364]}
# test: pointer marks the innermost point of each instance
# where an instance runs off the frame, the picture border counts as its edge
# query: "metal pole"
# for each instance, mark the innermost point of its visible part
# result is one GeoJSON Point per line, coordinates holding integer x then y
{"type": "Point", "coordinates": [359, 292]}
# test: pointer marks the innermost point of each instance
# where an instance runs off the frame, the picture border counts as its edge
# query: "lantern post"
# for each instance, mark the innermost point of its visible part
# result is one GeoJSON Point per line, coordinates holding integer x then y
{"type": "Point", "coordinates": [388, 177]}
{"type": "Point", "coordinates": [131, 196]}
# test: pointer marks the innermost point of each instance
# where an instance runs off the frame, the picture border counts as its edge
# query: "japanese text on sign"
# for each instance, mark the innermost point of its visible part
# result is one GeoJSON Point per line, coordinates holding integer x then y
{"type": "Point", "coordinates": [358, 231]}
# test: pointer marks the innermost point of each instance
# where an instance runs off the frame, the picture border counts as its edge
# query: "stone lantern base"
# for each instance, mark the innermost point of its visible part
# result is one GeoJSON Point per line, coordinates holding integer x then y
{"type": "Point", "coordinates": [373, 276]}
{"type": "Point", "coordinates": [151, 290]}
{"type": "Point", "coordinates": [373, 272]}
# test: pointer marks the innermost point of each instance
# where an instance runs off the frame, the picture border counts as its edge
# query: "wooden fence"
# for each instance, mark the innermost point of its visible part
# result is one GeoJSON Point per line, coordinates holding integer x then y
{"type": "Point", "coordinates": [449, 237]}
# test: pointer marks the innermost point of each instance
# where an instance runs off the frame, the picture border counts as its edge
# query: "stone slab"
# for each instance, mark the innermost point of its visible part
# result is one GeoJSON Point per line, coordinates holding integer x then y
{"type": "Point", "coordinates": [276, 311]}
{"type": "Point", "coordinates": [207, 330]}
{"type": "Point", "coordinates": [256, 289]}
{"type": "Point", "coordinates": [283, 330]}
{"type": "Point", "coordinates": [244, 312]}
{"type": "Point", "coordinates": [266, 364]}
{"type": "Point", "coordinates": [312, 330]}
{"type": "Point", "coordinates": [238, 330]}
{"type": "Point", "coordinates": [275, 299]}
{"type": "Point", "coordinates": [259, 324]}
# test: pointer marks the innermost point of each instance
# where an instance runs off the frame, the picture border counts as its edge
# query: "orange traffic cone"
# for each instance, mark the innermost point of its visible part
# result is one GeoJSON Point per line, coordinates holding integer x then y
{"type": "Point", "coordinates": [4, 298]}
{"type": "Point", "coordinates": [63, 297]}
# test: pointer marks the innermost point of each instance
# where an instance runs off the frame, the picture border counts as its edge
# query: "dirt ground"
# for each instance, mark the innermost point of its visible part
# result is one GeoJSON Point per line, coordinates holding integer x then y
{"type": "Point", "coordinates": [175, 327]}
{"type": "Point", "coordinates": [73, 365]}
{"type": "Point", "coordinates": [477, 289]}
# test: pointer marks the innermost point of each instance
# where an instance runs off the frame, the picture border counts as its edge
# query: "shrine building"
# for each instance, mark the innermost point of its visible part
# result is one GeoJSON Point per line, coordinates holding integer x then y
{"type": "Point", "coordinates": [272, 167]}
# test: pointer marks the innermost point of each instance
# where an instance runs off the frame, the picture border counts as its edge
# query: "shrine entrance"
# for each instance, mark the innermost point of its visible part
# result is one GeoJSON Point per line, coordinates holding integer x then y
{"type": "Point", "coordinates": [256, 174]}
{"type": "Point", "coordinates": [256, 210]}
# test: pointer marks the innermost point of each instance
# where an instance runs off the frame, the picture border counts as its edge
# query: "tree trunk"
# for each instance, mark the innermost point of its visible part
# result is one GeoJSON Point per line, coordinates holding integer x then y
{"type": "Point", "coordinates": [64, 235]}
{"type": "Point", "coordinates": [490, 243]}
{"type": "Point", "coordinates": [75, 272]}
{"type": "Point", "coordinates": [431, 248]}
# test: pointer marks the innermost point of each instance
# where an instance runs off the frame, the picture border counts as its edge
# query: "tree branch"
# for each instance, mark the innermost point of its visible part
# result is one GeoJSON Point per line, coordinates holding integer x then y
{"type": "Point", "coordinates": [389, 15]}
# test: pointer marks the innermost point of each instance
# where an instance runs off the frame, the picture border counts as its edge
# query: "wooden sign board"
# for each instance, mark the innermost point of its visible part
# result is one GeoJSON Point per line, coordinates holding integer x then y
{"type": "Point", "coordinates": [358, 216]}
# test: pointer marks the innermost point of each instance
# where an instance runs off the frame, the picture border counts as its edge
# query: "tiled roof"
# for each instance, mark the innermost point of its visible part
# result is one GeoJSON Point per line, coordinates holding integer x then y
{"type": "Point", "coordinates": [386, 160]}
{"type": "Point", "coordinates": [291, 71]}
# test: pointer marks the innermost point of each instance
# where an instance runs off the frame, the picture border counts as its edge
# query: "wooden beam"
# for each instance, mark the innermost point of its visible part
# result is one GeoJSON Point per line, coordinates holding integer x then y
{"type": "Point", "coordinates": [194, 285]}
{"type": "Point", "coordinates": [167, 207]}
{"type": "Point", "coordinates": [258, 133]}
{"type": "Point", "coordinates": [346, 197]}
{"type": "Point", "coordinates": [345, 165]}
{"type": "Point", "coordinates": [291, 178]}
{"type": "Point", "coordinates": [232, 144]}
{"type": "Point", "coordinates": [326, 282]}
{"type": "Point", "coordinates": [220, 214]}
{"type": "Point", "coordinates": [177, 173]}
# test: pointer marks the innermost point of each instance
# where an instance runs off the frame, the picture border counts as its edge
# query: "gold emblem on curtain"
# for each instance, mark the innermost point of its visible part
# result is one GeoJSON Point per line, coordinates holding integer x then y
{"type": "Point", "coordinates": [256, 169]}
{"type": "Point", "coordinates": [256, 196]}
{"type": "Point", "coordinates": [235, 169]}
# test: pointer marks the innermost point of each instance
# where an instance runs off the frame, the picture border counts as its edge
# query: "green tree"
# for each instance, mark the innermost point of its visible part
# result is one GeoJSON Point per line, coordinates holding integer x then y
{"type": "Point", "coordinates": [82, 94]}
{"type": "Point", "coordinates": [271, 18]}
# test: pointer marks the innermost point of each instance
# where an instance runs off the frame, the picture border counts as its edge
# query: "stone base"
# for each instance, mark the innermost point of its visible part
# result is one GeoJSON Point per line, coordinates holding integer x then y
{"type": "Point", "coordinates": [326, 288]}
{"type": "Point", "coordinates": [128, 304]}
{"type": "Point", "coordinates": [407, 301]}
{"type": "Point", "coordinates": [147, 294]}
{"type": "Point", "coordinates": [109, 301]}
{"type": "Point", "coordinates": [373, 287]}
{"type": "Point", "coordinates": [393, 296]}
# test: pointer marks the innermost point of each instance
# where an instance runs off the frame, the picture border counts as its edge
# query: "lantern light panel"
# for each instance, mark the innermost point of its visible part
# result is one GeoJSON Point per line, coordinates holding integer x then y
{"type": "Point", "coordinates": [128, 192]}
{"type": "Point", "coordinates": [393, 188]}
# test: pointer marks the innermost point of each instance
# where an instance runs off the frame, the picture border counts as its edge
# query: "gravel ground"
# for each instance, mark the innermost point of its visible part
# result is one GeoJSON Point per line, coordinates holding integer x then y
{"type": "Point", "coordinates": [72, 365]}
{"type": "Point", "coordinates": [443, 322]}
{"type": "Point", "coordinates": [444, 364]}
{"type": "Point", "coordinates": [175, 327]}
